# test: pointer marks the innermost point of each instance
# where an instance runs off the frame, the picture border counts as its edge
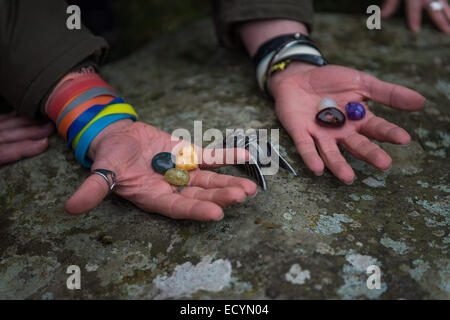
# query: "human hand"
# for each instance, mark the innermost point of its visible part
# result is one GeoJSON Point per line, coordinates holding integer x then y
{"type": "Point", "coordinates": [441, 18]}
{"type": "Point", "coordinates": [22, 137]}
{"type": "Point", "coordinates": [127, 149]}
{"type": "Point", "coordinates": [298, 91]}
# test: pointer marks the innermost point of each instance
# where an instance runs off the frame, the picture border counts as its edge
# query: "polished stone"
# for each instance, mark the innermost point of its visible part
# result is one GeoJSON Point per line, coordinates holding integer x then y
{"type": "Point", "coordinates": [327, 103]}
{"type": "Point", "coordinates": [163, 161]}
{"type": "Point", "coordinates": [263, 247]}
{"type": "Point", "coordinates": [355, 110]}
{"type": "Point", "coordinates": [187, 158]}
{"type": "Point", "coordinates": [331, 117]}
{"type": "Point", "coordinates": [177, 177]}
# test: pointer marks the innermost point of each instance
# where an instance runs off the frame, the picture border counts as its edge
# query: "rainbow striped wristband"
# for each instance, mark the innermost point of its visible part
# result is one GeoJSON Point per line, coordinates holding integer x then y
{"type": "Point", "coordinates": [80, 122]}
{"type": "Point", "coordinates": [92, 131]}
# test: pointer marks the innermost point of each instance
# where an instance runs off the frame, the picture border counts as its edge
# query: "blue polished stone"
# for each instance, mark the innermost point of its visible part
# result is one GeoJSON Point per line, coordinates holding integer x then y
{"type": "Point", "coordinates": [355, 110]}
{"type": "Point", "coordinates": [163, 161]}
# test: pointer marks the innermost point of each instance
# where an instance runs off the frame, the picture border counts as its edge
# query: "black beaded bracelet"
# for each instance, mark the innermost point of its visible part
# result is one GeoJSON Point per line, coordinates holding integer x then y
{"type": "Point", "coordinates": [273, 44]}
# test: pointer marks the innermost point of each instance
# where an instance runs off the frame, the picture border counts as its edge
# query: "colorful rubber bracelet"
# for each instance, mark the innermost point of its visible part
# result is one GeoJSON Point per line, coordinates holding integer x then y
{"type": "Point", "coordinates": [92, 132]}
{"type": "Point", "coordinates": [81, 122]}
{"type": "Point", "coordinates": [83, 97]}
{"type": "Point", "coordinates": [66, 104]}
{"type": "Point", "coordinates": [85, 118]}
{"type": "Point", "coordinates": [70, 89]}
{"type": "Point", "coordinates": [61, 83]}
{"type": "Point", "coordinates": [111, 109]}
{"type": "Point", "coordinates": [75, 113]}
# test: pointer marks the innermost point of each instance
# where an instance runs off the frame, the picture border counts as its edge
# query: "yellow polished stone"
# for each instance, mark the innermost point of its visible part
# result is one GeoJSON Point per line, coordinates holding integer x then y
{"type": "Point", "coordinates": [177, 177]}
{"type": "Point", "coordinates": [187, 158]}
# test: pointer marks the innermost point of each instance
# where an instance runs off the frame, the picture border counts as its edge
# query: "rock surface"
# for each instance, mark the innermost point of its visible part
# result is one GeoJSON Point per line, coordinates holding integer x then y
{"type": "Point", "coordinates": [306, 237]}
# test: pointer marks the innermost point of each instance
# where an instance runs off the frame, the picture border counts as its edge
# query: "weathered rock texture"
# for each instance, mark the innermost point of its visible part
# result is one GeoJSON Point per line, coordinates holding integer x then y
{"type": "Point", "coordinates": [307, 237]}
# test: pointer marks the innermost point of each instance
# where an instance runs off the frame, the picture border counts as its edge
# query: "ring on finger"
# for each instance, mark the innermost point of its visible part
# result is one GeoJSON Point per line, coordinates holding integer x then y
{"type": "Point", "coordinates": [104, 174]}
{"type": "Point", "coordinates": [436, 6]}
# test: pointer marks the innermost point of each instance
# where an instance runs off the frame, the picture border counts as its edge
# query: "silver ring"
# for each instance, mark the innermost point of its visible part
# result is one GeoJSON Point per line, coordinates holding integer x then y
{"type": "Point", "coordinates": [436, 6]}
{"type": "Point", "coordinates": [104, 174]}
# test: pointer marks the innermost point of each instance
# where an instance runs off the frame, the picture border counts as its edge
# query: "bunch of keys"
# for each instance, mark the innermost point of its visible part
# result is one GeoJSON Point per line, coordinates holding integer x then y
{"type": "Point", "coordinates": [262, 154]}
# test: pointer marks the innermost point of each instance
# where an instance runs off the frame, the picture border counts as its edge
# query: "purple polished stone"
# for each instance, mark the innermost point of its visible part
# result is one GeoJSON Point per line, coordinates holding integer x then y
{"type": "Point", "coordinates": [355, 110]}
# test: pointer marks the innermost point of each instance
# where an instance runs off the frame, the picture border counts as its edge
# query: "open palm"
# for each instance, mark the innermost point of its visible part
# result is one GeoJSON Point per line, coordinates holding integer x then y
{"type": "Point", "coordinates": [128, 152]}
{"type": "Point", "coordinates": [298, 93]}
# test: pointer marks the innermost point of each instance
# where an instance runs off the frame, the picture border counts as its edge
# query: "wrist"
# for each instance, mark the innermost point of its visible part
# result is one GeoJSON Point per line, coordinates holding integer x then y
{"type": "Point", "coordinates": [64, 81]}
{"type": "Point", "coordinates": [296, 68]}
{"type": "Point", "coordinates": [255, 33]}
{"type": "Point", "coordinates": [118, 127]}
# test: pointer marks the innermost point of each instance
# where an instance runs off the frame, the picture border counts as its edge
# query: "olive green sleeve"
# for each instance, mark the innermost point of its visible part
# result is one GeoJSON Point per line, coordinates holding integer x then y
{"type": "Point", "coordinates": [37, 49]}
{"type": "Point", "coordinates": [228, 13]}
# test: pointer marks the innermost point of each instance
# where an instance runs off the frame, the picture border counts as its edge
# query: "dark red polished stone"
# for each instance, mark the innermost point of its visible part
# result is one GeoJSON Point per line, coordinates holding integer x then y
{"type": "Point", "coordinates": [331, 117]}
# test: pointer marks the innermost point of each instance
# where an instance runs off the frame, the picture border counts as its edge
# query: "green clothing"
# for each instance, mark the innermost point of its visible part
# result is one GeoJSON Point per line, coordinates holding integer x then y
{"type": "Point", "coordinates": [37, 49]}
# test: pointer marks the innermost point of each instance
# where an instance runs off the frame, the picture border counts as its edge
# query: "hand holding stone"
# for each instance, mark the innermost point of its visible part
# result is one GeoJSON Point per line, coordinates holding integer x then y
{"type": "Point", "coordinates": [298, 91]}
{"type": "Point", "coordinates": [127, 148]}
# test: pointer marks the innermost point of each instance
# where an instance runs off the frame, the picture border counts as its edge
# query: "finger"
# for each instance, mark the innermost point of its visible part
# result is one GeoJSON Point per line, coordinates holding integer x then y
{"type": "Point", "coordinates": [334, 160]}
{"type": "Point", "coordinates": [89, 195]}
{"type": "Point", "coordinates": [303, 141]}
{"type": "Point", "coordinates": [9, 115]}
{"type": "Point", "coordinates": [389, 8]}
{"type": "Point", "coordinates": [221, 196]}
{"type": "Point", "coordinates": [210, 180]}
{"type": "Point", "coordinates": [414, 14]}
{"type": "Point", "coordinates": [384, 131]}
{"type": "Point", "coordinates": [10, 152]}
{"type": "Point", "coordinates": [390, 94]}
{"type": "Point", "coordinates": [287, 108]}
{"type": "Point", "coordinates": [17, 122]}
{"type": "Point", "coordinates": [447, 10]}
{"type": "Point", "coordinates": [177, 206]}
{"type": "Point", "coordinates": [439, 18]}
{"type": "Point", "coordinates": [364, 149]}
{"type": "Point", "coordinates": [215, 158]}
{"type": "Point", "coordinates": [307, 150]}
{"type": "Point", "coordinates": [26, 133]}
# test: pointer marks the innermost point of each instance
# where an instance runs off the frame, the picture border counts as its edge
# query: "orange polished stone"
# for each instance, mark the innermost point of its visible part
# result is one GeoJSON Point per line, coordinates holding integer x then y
{"type": "Point", "coordinates": [187, 158]}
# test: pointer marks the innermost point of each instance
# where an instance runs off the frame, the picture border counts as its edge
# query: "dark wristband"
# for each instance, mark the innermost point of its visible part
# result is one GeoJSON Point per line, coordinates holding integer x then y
{"type": "Point", "coordinates": [309, 58]}
{"type": "Point", "coordinates": [274, 43]}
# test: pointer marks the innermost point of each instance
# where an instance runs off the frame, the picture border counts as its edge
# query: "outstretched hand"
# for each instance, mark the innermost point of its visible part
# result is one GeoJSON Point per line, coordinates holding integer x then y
{"type": "Point", "coordinates": [127, 149]}
{"type": "Point", "coordinates": [414, 8]}
{"type": "Point", "coordinates": [298, 91]}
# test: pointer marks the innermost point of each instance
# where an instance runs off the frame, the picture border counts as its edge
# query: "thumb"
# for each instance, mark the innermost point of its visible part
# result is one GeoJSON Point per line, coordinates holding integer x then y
{"type": "Point", "coordinates": [90, 194]}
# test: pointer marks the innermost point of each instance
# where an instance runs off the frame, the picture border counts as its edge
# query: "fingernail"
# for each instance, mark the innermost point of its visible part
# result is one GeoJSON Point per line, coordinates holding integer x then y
{"type": "Point", "coordinates": [252, 196]}
{"type": "Point", "coordinates": [405, 144]}
{"type": "Point", "coordinates": [318, 174]}
{"type": "Point", "coordinates": [351, 182]}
